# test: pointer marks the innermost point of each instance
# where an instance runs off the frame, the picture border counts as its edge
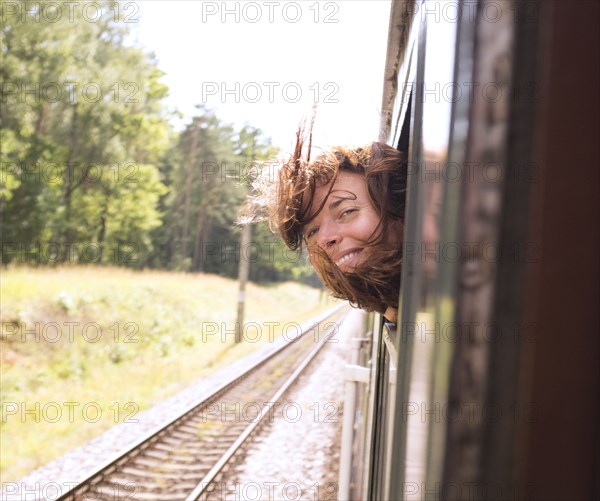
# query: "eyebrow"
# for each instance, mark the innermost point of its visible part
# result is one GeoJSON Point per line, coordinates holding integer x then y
{"type": "Point", "coordinates": [336, 203]}
{"type": "Point", "coordinates": [340, 199]}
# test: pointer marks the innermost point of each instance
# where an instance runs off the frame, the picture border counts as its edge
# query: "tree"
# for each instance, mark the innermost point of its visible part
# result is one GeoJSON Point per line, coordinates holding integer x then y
{"type": "Point", "coordinates": [203, 198]}
{"type": "Point", "coordinates": [79, 104]}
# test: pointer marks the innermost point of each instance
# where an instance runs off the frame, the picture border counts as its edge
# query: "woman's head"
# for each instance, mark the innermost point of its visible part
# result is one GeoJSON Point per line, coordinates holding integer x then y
{"type": "Point", "coordinates": [347, 207]}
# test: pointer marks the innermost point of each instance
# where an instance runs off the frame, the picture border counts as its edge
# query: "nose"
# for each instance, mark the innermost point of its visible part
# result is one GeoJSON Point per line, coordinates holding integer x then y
{"type": "Point", "coordinates": [329, 235]}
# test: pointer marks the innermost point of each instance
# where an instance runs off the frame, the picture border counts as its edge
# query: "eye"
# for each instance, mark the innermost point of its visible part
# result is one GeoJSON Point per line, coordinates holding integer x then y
{"type": "Point", "coordinates": [311, 232]}
{"type": "Point", "coordinates": [347, 212]}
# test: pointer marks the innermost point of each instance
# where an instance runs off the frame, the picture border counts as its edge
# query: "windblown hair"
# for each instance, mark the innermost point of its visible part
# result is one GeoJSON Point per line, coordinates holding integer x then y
{"type": "Point", "coordinates": [373, 285]}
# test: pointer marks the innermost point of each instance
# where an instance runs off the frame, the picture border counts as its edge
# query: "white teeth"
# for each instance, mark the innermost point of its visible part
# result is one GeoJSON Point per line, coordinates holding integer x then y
{"type": "Point", "coordinates": [347, 257]}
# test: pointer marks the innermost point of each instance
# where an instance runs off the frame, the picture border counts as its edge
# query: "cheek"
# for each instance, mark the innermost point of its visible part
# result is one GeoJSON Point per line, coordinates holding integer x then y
{"type": "Point", "coordinates": [370, 224]}
{"type": "Point", "coordinates": [368, 229]}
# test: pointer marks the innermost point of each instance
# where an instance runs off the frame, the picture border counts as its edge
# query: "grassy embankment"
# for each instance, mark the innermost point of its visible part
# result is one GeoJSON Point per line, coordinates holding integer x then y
{"type": "Point", "coordinates": [87, 343]}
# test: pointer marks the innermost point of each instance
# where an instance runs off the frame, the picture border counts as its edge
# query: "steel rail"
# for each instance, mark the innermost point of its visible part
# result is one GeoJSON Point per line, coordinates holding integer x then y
{"type": "Point", "coordinates": [211, 475]}
{"type": "Point", "coordinates": [147, 440]}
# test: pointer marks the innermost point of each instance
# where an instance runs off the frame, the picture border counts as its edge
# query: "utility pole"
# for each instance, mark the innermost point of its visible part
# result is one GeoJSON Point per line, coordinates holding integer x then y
{"type": "Point", "coordinates": [244, 267]}
{"type": "Point", "coordinates": [244, 270]}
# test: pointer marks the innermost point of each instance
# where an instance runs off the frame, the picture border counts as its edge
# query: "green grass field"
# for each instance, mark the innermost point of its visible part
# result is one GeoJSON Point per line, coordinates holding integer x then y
{"type": "Point", "coordinates": [85, 347]}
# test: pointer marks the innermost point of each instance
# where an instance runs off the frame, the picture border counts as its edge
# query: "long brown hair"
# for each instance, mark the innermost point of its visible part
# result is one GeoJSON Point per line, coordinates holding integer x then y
{"type": "Point", "coordinates": [373, 285]}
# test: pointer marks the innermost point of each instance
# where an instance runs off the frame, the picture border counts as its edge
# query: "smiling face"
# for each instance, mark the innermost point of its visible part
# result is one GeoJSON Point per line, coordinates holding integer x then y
{"type": "Point", "coordinates": [352, 227]}
{"type": "Point", "coordinates": [346, 224]}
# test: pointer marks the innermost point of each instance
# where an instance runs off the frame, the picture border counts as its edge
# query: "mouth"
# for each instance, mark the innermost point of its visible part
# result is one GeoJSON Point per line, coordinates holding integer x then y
{"type": "Point", "coordinates": [347, 258]}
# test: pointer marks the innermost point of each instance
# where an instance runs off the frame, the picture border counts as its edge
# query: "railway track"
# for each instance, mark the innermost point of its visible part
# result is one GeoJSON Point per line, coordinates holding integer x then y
{"type": "Point", "coordinates": [181, 460]}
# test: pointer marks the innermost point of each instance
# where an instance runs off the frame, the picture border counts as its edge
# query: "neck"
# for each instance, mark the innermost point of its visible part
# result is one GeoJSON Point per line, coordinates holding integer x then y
{"type": "Point", "coordinates": [391, 315]}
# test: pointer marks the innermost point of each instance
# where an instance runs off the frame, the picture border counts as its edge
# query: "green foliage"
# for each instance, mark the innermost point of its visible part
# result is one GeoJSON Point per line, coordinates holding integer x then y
{"type": "Point", "coordinates": [91, 170]}
{"type": "Point", "coordinates": [80, 110]}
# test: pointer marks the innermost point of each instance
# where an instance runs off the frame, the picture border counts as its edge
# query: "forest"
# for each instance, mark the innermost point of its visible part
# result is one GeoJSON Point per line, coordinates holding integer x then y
{"type": "Point", "coordinates": [92, 171]}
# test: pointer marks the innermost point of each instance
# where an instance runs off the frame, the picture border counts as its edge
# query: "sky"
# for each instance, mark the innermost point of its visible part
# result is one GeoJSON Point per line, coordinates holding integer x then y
{"type": "Point", "coordinates": [264, 63]}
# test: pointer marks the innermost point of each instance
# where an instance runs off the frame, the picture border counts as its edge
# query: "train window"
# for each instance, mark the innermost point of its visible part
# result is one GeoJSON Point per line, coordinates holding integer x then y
{"type": "Point", "coordinates": [425, 306]}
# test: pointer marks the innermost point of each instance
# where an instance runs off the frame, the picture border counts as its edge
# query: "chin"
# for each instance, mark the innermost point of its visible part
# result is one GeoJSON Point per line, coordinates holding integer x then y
{"type": "Point", "coordinates": [349, 268]}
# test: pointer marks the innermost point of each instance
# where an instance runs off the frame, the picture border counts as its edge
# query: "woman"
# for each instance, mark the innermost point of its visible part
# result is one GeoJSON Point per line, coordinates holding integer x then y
{"type": "Point", "coordinates": [347, 207]}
